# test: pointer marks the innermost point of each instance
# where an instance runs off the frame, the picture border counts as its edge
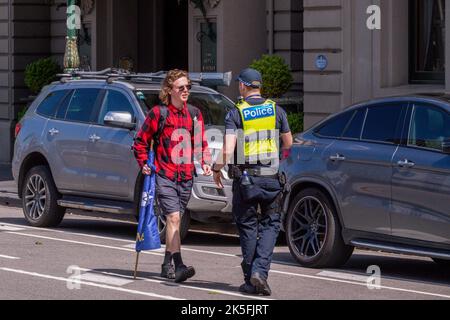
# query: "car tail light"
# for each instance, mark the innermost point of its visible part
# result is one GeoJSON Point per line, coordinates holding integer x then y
{"type": "Point", "coordinates": [17, 130]}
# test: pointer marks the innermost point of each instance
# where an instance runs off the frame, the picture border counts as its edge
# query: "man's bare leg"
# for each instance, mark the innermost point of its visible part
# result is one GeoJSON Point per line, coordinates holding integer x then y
{"type": "Point", "coordinates": [173, 242]}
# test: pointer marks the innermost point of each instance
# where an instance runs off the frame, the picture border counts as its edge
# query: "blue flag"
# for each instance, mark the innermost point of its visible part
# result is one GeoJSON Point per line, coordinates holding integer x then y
{"type": "Point", "coordinates": [148, 233]}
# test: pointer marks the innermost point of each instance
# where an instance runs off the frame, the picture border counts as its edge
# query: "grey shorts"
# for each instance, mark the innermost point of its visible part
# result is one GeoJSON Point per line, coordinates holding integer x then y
{"type": "Point", "coordinates": [172, 196]}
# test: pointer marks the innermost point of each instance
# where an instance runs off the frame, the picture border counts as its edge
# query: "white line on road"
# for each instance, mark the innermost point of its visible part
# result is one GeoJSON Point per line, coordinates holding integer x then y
{"type": "Point", "coordinates": [90, 284]}
{"type": "Point", "coordinates": [273, 271]}
{"type": "Point", "coordinates": [213, 291]}
{"type": "Point", "coordinates": [83, 243]}
{"type": "Point", "coordinates": [9, 228]}
{"type": "Point", "coordinates": [130, 250]}
{"type": "Point", "coordinates": [131, 243]}
{"type": "Point", "coordinates": [344, 276]}
{"type": "Point", "coordinates": [9, 257]}
{"type": "Point", "coordinates": [360, 284]}
{"type": "Point", "coordinates": [106, 279]}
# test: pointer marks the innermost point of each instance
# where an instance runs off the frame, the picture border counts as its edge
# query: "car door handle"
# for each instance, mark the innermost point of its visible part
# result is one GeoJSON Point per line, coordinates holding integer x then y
{"type": "Point", "coordinates": [406, 163]}
{"type": "Point", "coordinates": [94, 138]}
{"type": "Point", "coordinates": [53, 132]}
{"type": "Point", "coordinates": [337, 157]}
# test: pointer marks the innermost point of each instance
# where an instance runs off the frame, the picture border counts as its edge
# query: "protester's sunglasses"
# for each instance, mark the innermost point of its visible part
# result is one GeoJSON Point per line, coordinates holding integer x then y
{"type": "Point", "coordinates": [182, 88]}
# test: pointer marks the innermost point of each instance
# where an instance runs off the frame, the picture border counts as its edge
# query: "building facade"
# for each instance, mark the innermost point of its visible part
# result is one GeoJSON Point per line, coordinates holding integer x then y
{"type": "Point", "coordinates": [407, 55]}
{"type": "Point", "coordinates": [145, 36]}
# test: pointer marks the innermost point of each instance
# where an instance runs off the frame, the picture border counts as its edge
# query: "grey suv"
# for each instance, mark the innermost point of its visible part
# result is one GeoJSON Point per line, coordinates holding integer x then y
{"type": "Point", "coordinates": [73, 149]}
{"type": "Point", "coordinates": [376, 175]}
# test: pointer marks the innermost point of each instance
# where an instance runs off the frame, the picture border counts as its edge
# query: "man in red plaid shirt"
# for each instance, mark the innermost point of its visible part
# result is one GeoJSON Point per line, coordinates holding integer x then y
{"type": "Point", "coordinates": [182, 138]}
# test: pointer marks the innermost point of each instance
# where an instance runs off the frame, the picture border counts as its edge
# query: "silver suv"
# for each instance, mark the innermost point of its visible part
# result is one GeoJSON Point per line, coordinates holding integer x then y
{"type": "Point", "coordinates": [73, 149]}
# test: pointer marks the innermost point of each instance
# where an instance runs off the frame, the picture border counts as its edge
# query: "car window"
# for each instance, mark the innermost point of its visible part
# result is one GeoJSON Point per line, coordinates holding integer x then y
{"type": "Point", "coordinates": [354, 128]}
{"type": "Point", "coordinates": [82, 105]}
{"type": "Point", "coordinates": [214, 107]}
{"type": "Point", "coordinates": [50, 104]}
{"type": "Point", "coordinates": [115, 101]}
{"type": "Point", "coordinates": [334, 127]}
{"type": "Point", "coordinates": [62, 109]}
{"type": "Point", "coordinates": [430, 126]}
{"type": "Point", "coordinates": [382, 122]}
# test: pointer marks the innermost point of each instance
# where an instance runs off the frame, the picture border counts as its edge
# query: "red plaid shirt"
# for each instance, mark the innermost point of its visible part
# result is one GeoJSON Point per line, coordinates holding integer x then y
{"type": "Point", "coordinates": [173, 157]}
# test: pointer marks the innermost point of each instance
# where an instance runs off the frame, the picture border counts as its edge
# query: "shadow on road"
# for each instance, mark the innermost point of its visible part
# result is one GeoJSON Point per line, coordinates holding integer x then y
{"type": "Point", "coordinates": [399, 267]}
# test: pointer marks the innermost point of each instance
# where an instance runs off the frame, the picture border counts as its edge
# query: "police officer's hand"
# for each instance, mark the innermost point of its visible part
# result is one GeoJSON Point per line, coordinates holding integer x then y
{"type": "Point", "coordinates": [207, 170]}
{"type": "Point", "coordinates": [218, 176]}
{"type": "Point", "coordinates": [146, 170]}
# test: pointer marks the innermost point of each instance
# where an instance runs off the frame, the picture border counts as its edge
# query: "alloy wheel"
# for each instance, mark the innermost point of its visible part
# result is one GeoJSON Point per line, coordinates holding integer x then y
{"type": "Point", "coordinates": [35, 197]}
{"type": "Point", "coordinates": [308, 227]}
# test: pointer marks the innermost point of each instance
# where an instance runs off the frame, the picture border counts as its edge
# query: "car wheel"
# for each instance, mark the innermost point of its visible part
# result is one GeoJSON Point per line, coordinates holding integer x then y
{"type": "Point", "coordinates": [313, 231]}
{"type": "Point", "coordinates": [184, 225]}
{"type": "Point", "coordinates": [442, 262]}
{"type": "Point", "coordinates": [39, 199]}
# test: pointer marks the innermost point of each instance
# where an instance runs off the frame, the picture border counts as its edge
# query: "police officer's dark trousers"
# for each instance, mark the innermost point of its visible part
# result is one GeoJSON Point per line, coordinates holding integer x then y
{"type": "Point", "coordinates": [258, 232]}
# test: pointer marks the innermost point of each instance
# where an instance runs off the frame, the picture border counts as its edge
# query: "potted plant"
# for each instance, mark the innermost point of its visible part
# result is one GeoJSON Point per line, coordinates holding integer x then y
{"type": "Point", "coordinates": [277, 80]}
{"type": "Point", "coordinates": [37, 75]}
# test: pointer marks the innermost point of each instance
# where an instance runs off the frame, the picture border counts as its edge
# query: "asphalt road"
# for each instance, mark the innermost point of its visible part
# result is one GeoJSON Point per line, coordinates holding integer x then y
{"type": "Point", "coordinates": [93, 258]}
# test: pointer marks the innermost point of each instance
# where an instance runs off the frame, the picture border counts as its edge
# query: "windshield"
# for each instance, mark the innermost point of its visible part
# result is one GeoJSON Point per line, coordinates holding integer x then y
{"type": "Point", "coordinates": [214, 107]}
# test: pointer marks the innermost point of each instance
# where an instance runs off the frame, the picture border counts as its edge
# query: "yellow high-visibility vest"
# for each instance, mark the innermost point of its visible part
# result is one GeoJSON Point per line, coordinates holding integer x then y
{"type": "Point", "coordinates": [259, 124]}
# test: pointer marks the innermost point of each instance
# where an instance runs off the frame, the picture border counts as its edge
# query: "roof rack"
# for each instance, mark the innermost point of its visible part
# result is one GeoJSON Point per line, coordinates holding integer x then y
{"type": "Point", "coordinates": [208, 79]}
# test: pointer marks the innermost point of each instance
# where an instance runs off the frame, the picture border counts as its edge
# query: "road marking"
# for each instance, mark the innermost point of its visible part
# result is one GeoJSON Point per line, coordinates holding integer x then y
{"type": "Point", "coordinates": [344, 276]}
{"type": "Point", "coordinates": [83, 243]}
{"type": "Point", "coordinates": [106, 279]}
{"type": "Point", "coordinates": [273, 271]}
{"type": "Point", "coordinates": [68, 232]}
{"type": "Point", "coordinates": [130, 250]}
{"type": "Point", "coordinates": [9, 228]}
{"type": "Point", "coordinates": [360, 284]}
{"type": "Point", "coordinates": [213, 291]}
{"type": "Point", "coordinates": [9, 257]}
{"type": "Point", "coordinates": [91, 284]}
{"type": "Point", "coordinates": [131, 244]}
{"type": "Point", "coordinates": [210, 252]}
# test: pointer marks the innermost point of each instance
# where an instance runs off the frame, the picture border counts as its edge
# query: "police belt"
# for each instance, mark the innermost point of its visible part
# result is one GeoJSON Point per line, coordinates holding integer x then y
{"type": "Point", "coordinates": [236, 173]}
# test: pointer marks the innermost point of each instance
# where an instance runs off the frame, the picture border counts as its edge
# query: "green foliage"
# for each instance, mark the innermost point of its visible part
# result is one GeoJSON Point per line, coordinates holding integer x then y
{"type": "Point", "coordinates": [21, 113]}
{"type": "Point", "coordinates": [295, 122]}
{"type": "Point", "coordinates": [40, 73]}
{"type": "Point", "coordinates": [277, 78]}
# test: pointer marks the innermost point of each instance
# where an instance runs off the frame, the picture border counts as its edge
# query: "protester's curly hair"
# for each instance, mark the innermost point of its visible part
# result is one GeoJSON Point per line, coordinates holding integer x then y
{"type": "Point", "coordinates": [172, 76]}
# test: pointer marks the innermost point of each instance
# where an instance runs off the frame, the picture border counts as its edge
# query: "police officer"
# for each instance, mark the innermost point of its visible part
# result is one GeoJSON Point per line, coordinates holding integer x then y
{"type": "Point", "coordinates": [254, 131]}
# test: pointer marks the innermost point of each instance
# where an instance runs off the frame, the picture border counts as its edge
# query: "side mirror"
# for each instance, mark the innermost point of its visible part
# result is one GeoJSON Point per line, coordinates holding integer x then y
{"type": "Point", "coordinates": [119, 120]}
{"type": "Point", "coordinates": [446, 146]}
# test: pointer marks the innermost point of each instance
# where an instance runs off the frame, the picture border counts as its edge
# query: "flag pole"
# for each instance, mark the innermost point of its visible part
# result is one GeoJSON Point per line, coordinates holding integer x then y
{"type": "Point", "coordinates": [136, 266]}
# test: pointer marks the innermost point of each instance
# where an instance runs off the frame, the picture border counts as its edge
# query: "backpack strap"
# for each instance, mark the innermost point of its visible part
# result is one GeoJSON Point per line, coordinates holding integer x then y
{"type": "Point", "coordinates": [163, 114]}
{"type": "Point", "coordinates": [194, 112]}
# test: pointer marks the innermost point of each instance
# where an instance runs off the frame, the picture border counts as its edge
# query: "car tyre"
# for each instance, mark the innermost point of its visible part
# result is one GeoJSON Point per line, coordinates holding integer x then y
{"type": "Point", "coordinates": [313, 231]}
{"type": "Point", "coordinates": [39, 199]}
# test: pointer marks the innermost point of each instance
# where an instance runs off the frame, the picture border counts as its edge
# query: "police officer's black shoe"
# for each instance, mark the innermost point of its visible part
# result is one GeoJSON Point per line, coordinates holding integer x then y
{"type": "Point", "coordinates": [261, 285]}
{"type": "Point", "coordinates": [247, 288]}
{"type": "Point", "coordinates": [167, 271]}
{"type": "Point", "coordinates": [183, 273]}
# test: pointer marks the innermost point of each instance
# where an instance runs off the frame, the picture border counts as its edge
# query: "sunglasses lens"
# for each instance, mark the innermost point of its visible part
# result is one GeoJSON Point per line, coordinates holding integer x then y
{"type": "Point", "coordinates": [182, 88]}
